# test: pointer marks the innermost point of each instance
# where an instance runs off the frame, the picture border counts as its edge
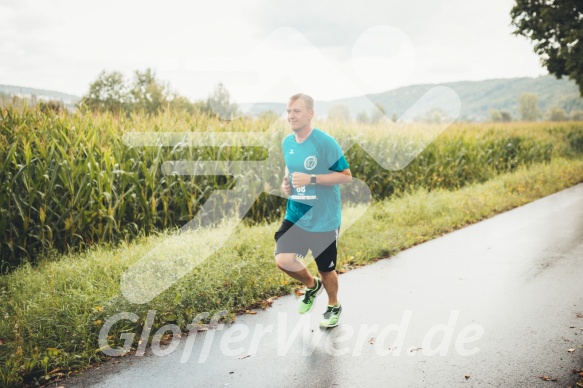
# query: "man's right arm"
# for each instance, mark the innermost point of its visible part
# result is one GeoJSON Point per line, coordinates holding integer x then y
{"type": "Point", "coordinates": [285, 185]}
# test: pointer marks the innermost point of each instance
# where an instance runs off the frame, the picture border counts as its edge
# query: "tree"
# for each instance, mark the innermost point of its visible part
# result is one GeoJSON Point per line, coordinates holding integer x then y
{"type": "Point", "coordinates": [495, 115]}
{"type": "Point", "coordinates": [556, 29]}
{"type": "Point", "coordinates": [435, 116]}
{"type": "Point", "coordinates": [528, 107]}
{"type": "Point", "coordinates": [378, 113]}
{"type": "Point", "coordinates": [506, 116]}
{"type": "Point", "coordinates": [181, 103]}
{"type": "Point", "coordinates": [339, 112]}
{"type": "Point", "coordinates": [557, 114]}
{"type": "Point", "coordinates": [577, 115]}
{"type": "Point", "coordinates": [500, 116]}
{"type": "Point", "coordinates": [269, 115]}
{"type": "Point", "coordinates": [52, 106]}
{"type": "Point", "coordinates": [148, 93]}
{"type": "Point", "coordinates": [220, 103]}
{"type": "Point", "coordinates": [108, 93]}
{"type": "Point", "coordinates": [362, 117]}
{"type": "Point", "coordinates": [111, 92]}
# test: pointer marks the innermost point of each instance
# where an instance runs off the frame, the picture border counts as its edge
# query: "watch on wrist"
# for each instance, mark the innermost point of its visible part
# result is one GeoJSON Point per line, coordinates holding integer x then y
{"type": "Point", "coordinates": [313, 179]}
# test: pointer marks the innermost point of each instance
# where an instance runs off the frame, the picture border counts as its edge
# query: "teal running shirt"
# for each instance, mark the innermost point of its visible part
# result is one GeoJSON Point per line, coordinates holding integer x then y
{"type": "Point", "coordinates": [315, 208]}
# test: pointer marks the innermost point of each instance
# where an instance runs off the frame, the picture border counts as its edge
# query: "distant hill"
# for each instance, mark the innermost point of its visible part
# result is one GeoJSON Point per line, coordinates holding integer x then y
{"type": "Point", "coordinates": [31, 94]}
{"type": "Point", "coordinates": [477, 97]}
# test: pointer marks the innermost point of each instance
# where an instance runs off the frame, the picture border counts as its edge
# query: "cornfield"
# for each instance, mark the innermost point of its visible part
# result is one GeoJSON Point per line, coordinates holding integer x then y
{"type": "Point", "coordinates": [69, 181]}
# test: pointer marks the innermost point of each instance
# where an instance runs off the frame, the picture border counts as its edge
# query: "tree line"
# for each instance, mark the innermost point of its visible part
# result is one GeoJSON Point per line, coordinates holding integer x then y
{"type": "Point", "coordinates": [528, 110]}
{"type": "Point", "coordinates": [145, 93]}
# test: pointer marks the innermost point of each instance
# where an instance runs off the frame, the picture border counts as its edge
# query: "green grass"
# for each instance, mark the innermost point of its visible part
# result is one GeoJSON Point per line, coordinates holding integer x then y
{"type": "Point", "coordinates": [52, 313]}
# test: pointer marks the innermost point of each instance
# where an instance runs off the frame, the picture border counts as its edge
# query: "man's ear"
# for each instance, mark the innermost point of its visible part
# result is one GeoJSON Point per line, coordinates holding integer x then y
{"type": "Point", "coordinates": [311, 114]}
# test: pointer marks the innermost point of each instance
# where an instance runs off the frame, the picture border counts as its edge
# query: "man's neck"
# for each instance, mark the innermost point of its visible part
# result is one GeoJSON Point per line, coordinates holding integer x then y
{"type": "Point", "coordinates": [304, 132]}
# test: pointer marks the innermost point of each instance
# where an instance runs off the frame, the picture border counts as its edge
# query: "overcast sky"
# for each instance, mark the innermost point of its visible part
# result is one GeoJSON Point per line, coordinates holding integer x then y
{"type": "Point", "coordinates": [262, 50]}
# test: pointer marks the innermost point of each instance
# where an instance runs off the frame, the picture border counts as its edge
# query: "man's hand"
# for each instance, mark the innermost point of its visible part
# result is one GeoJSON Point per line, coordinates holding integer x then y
{"type": "Point", "coordinates": [285, 186]}
{"type": "Point", "coordinates": [300, 179]}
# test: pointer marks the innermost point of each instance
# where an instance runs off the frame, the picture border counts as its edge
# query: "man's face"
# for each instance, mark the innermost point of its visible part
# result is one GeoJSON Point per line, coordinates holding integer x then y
{"type": "Point", "coordinates": [298, 116]}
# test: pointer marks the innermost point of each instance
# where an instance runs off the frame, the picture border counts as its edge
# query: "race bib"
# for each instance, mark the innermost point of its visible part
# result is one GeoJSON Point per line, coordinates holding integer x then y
{"type": "Point", "coordinates": [303, 193]}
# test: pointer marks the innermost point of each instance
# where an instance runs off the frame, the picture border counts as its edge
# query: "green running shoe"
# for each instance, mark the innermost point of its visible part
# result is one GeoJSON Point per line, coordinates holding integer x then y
{"type": "Point", "coordinates": [310, 295]}
{"type": "Point", "coordinates": [331, 316]}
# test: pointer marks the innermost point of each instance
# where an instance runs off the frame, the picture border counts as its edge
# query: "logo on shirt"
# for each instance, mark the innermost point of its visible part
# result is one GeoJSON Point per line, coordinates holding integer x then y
{"type": "Point", "coordinates": [310, 162]}
{"type": "Point", "coordinates": [291, 152]}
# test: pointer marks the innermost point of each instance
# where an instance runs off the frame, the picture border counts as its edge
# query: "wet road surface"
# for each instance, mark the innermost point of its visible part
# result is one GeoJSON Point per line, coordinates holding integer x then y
{"type": "Point", "coordinates": [496, 304]}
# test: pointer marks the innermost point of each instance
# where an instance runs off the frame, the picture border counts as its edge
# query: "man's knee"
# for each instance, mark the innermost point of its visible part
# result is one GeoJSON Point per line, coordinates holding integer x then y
{"type": "Point", "coordinates": [328, 274]}
{"type": "Point", "coordinates": [288, 262]}
{"type": "Point", "coordinates": [284, 261]}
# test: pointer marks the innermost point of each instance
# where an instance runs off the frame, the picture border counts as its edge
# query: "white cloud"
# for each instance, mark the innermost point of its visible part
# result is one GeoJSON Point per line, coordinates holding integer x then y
{"type": "Point", "coordinates": [63, 44]}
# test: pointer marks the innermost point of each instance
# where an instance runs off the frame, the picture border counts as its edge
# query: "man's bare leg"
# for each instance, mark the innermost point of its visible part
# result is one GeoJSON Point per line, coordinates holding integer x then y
{"type": "Point", "coordinates": [330, 280]}
{"type": "Point", "coordinates": [288, 263]}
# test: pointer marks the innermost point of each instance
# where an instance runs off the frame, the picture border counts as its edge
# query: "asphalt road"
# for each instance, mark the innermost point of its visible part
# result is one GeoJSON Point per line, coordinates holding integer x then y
{"type": "Point", "coordinates": [496, 304]}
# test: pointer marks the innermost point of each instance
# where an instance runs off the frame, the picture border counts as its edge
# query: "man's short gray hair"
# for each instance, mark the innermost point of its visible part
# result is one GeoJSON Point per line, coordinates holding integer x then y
{"type": "Point", "coordinates": [309, 101]}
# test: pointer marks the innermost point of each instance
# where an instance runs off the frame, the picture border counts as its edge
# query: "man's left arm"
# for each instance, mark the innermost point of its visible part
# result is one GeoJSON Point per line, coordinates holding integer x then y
{"type": "Point", "coordinates": [333, 178]}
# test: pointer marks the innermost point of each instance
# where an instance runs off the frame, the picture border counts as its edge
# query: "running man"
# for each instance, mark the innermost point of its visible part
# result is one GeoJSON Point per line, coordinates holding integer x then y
{"type": "Point", "coordinates": [315, 167]}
